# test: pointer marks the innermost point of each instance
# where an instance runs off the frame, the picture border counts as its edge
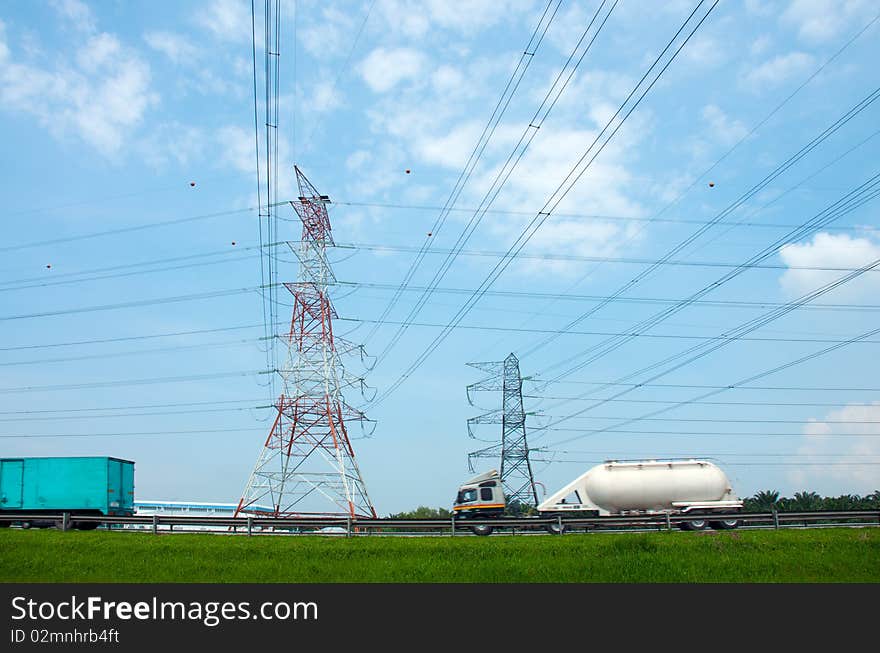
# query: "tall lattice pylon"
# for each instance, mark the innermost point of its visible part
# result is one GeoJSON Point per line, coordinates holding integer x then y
{"type": "Point", "coordinates": [307, 465]}
{"type": "Point", "coordinates": [513, 451]}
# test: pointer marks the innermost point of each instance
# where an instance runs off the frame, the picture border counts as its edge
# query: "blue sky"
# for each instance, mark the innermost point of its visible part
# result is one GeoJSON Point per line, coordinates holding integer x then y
{"type": "Point", "coordinates": [110, 111]}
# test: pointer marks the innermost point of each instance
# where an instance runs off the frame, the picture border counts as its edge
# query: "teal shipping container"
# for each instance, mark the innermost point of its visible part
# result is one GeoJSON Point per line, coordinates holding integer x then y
{"type": "Point", "coordinates": [79, 486]}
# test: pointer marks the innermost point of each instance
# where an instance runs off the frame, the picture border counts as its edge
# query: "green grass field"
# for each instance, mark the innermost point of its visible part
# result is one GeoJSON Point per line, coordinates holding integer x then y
{"type": "Point", "coordinates": [832, 555]}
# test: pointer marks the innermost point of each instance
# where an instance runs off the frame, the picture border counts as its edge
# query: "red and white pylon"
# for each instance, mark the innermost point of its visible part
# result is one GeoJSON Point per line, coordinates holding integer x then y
{"type": "Point", "coordinates": [307, 465]}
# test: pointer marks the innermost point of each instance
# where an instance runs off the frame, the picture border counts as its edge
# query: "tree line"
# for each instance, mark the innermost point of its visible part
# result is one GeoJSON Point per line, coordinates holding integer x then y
{"type": "Point", "coordinates": [769, 500]}
{"type": "Point", "coordinates": [763, 501]}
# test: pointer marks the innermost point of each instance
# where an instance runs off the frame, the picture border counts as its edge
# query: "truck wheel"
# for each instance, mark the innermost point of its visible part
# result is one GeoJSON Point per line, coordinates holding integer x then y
{"type": "Point", "coordinates": [695, 525]}
{"type": "Point", "coordinates": [86, 525]}
{"type": "Point", "coordinates": [4, 524]}
{"type": "Point", "coordinates": [724, 524]}
{"type": "Point", "coordinates": [482, 530]}
{"type": "Point", "coordinates": [555, 529]}
{"type": "Point", "coordinates": [25, 524]}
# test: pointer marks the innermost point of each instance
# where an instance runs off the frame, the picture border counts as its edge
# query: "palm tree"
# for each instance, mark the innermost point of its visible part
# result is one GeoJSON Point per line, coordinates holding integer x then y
{"type": "Point", "coordinates": [765, 500]}
{"type": "Point", "coordinates": [843, 502]}
{"type": "Point", "coordinates": [806, 501]}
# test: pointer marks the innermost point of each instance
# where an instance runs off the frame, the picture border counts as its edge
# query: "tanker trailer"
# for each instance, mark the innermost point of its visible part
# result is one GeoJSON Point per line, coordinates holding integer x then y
{"type": "Point", "coordinates": [619, 488]}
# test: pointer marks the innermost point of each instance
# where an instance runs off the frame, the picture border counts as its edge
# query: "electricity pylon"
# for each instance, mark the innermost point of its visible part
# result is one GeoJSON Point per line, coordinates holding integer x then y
{"type": "Point", "coordinates": [513, 450]}
{"type": "Point", "coordinates": [307, 465]}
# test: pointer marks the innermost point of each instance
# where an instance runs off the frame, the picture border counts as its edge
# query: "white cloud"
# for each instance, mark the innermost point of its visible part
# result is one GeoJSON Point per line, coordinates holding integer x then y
{"type": "Point", "coordinates": [328, 35]}
{"type": "Point", "coordinates": [173, 142]}
{"type": "Point", "coordinates": [477, 16]}
{"type": "Point", "coordinates": [101, 100]}
{"type": "Point", "coordinates": [446, 135]}
{"type": "Point", "coordinates": [760, 45]}
{"type": "Point", "coordinates": [703, 51]}
{"type": "Point", "coordinates": [98, 51]}
{"type": "Point", "coordinates": [383, 68]}
{"type": "Point", "coordinates": [228, 20]}
{"type": "Point", "coordinates": [829, 250]}
{"type": "Point", "coordinates": [818, 21]}
{"type": "Point", "coordinates": [725, 130]}
{"type": "Point", "coordinates": [447, 79]}
{"type": "Point", "coordinates": [174, 46]}
{"type": "Point", "coordinates": [238, 147]}
{"type": "Point", "coordinates": [831, 455]}
{"type": "Point", "coordinates": [415, 19]}
{"type": "Point", "coordinates": [323, 97]}
{"type": "Point", "coordinates": [76, 13]}
{"type": "Point", "coordinates": [452, 149]}
{"type": "Point", "coordinates": [4, 49]}
{"type": "Point", "coordinates": [238, 151]}
{"type": "Point", "coordinates": [778, 70]}
{"type": "Point", "coordinates": [760, 7]}
{"type": "Point", "coordinates": [356, 160]}
{"type": "Point", "coordinates": [601, 191]}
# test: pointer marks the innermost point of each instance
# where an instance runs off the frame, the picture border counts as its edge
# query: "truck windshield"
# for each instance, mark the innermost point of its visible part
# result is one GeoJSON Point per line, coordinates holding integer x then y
{"type": "Point", "coordinates": [466, 496]}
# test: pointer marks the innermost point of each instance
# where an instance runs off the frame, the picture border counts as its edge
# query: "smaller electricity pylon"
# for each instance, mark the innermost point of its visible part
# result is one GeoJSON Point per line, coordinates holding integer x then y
{"type": "Point", "coordinates": [513, 450]}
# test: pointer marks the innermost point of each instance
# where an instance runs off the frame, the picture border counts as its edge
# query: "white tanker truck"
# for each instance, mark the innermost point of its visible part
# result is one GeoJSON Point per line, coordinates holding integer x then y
{"type": "Point", "coordinates": [638, 487]}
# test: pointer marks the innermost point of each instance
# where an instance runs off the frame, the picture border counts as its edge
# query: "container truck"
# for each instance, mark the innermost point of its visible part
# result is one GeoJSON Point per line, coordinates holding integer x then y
{"type": "Point", "coordinates": [618, 488]}
{"type": "Point", "coordinates": [79, 486]}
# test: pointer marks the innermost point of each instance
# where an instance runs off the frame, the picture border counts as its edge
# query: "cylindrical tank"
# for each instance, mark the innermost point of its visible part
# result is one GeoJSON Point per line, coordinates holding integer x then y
{"type": "Point", "coordinates": [653, 485]}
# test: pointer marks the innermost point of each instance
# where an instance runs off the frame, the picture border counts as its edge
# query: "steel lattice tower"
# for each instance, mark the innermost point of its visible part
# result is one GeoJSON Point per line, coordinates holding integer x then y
{"type": "Point", "coordinates": [516, 469]}
{"type": "Point", "coordinates": [307, 464]}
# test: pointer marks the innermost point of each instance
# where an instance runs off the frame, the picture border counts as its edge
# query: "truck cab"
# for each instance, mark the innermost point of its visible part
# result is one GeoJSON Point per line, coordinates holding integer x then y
{"type": "Point", "coordinates": [480, 497]}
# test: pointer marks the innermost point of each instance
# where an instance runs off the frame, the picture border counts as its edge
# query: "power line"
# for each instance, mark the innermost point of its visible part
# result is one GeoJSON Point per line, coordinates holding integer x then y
{"type": "Point", "coordinates": [691, 454]}
{"type": "Point", "coordinates": [776, 404]}
{"type": "Point", "coordinates": [116, 274]}
{"type": "Point", "coordinates": [115, 271]}
{"type": "Point", "coordinates": [129, 407]}
{"type": "Point", "coordinates": [532, 294]}
{"type": "Point", "coordinates": [164, 413]}
{"type": "Point", "coordinates": [748, 464]}
{"type": "Point", "coordinates": [338, 75]}
{"type": "Point", "coordinates": [693, 386]}
{"type": "Point", "coordinates": [854, 199]}
{"type": "Point", "coordinates": [724, 420]}
{"type": "Point", "coordinates": [476, 154]}
{"type": "Point", "coordinates": [121, 382]}
{"type": "Point", "coordinates": [657, 216]}
{"type": "Point", "coordinates": [593, 216]}
{"type": "Point", "coordinates": [559, 194]}
{"type": "Point", "coordinates": [799, 231]}
{"type": "Point", "coordinates": [128, 434]}
{"type": "Point", "coordinates": [677, 433]}
{"type": "Point", "coordinates": [506, 170]}
{"type": "Point", "coordinates": [147, 336]}
{"type": "Point", "coordinates": [602, 259]}
{"type": "Point", "coordinates": [139, 352]}
{"type": "Point", "coordinates": [742, 382]}
{"type": "Point", "coordinates": [125, 230]}
{"type": "Point", "coordinates": [134, 304]}
{"type": "Point", "coordinates": [699, 351]}
{"type": "Point", "coordinates": [658, 336]}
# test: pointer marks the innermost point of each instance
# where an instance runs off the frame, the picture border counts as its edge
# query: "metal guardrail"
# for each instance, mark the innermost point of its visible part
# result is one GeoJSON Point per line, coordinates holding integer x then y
{"type": "Point", "coordinates": [350, 527]}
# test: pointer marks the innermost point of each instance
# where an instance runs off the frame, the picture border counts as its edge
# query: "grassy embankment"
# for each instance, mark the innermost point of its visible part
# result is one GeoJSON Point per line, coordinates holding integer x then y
{"type": "Point", "coordinates": [833, 555]}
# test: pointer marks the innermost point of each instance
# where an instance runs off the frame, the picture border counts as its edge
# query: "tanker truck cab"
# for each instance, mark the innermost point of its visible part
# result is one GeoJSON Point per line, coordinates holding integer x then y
{"type": "Point", "coordinates": [480, 498]}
